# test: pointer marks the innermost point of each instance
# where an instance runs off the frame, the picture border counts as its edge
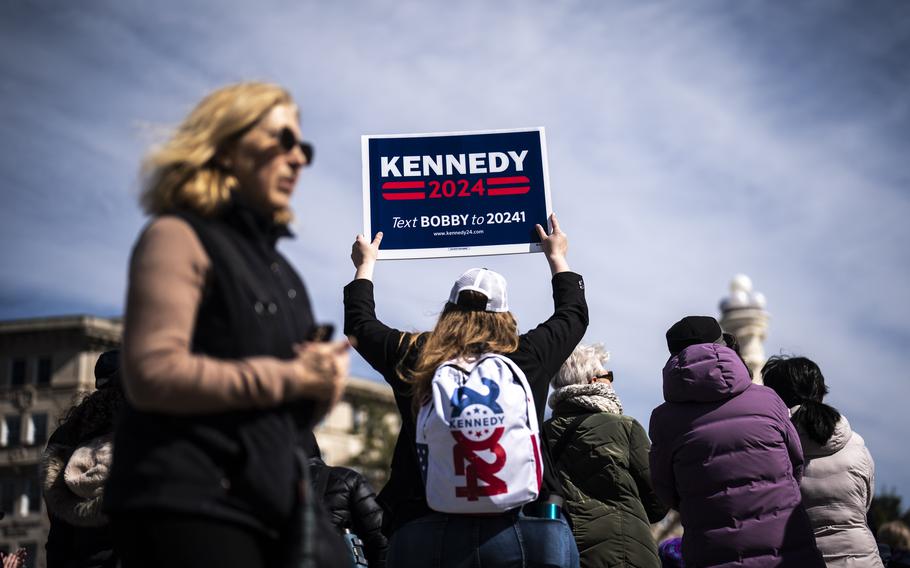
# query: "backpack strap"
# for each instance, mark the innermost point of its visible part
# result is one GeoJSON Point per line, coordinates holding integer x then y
{"type": "Point", "coordinates": [569, 432]}
{"type": "Point", "coordinates": [512, 365]}
{"type": "Point", "coordinates": [519, 377]}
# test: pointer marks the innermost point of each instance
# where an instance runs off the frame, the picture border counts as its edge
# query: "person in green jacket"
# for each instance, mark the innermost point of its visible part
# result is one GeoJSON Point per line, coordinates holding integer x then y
{"type": "Point", "coordinates": [602, 458]}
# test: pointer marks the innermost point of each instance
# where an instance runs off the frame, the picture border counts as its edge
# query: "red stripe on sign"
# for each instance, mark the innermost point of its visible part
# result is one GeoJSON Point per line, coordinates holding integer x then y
{"type": "Point", "coordinates": [506, 180]}
{"type": "Point", "coordinates": [402, 196]}
{"type": "Point", "coordinates": [509, 190]}
{"type": "Point", "coordinates": [403, 185]}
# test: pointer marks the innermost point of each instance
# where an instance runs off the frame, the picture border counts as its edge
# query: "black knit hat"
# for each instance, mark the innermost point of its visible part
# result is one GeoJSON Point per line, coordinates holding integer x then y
{"type": "Point", "coordinates": [692, 330]}
{"type": "Point", "coordinates": [107, 369]}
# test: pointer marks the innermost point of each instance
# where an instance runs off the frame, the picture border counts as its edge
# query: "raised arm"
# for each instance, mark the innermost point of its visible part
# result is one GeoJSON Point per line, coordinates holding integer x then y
{"type": "Point", "coordinates": [380, 345]}
{"type": "Point", "coordinates": [555, 246]}
{"type": "Point", "coordinates": [551, 342]}
{"type": "Point", "coordinates": [364, 255]}
{"type": "Point", "coordinates": [168, 271]}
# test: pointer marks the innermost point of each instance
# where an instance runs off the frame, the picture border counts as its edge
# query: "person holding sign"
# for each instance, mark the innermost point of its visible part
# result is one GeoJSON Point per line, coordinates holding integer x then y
{"type": "Point", "coordinates": [476, 383]}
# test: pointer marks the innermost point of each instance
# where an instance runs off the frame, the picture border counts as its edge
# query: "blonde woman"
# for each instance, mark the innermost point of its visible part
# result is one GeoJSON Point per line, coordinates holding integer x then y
{"type": "Point", "coordinates": [475, 320]}
{"type": "Point", "coordinates": [218, 370]}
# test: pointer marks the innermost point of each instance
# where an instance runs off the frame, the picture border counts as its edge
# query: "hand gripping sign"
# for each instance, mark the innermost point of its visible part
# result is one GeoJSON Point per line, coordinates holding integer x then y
{"type": "Point", "coordinates": [456, 194]}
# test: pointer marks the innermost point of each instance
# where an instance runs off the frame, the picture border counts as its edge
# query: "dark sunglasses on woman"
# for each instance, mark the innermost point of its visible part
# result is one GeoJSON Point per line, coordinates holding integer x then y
{"type": "Point", "coordinates": [287, 139]}
{"type": "Point", "coordinates": [608, 375]}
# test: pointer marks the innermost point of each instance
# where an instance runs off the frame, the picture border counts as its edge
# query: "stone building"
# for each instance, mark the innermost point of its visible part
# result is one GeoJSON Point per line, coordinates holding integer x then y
{"type": "Point", "coordinates": [47, 363]}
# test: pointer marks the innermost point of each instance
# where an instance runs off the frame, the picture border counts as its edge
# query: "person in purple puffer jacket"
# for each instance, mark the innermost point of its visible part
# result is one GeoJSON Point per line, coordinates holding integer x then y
{"type": "Point", "coordinates": [726, 456]}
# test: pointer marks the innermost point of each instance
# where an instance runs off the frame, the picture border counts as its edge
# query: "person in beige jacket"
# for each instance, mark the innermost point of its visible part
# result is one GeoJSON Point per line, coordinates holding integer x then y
{"type": "Point", "coordinates": [839, 480]}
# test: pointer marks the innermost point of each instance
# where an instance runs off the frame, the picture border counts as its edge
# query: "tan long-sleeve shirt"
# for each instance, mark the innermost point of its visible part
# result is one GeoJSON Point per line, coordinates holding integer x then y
{"type": "Point", "coordinates": [168, 273]}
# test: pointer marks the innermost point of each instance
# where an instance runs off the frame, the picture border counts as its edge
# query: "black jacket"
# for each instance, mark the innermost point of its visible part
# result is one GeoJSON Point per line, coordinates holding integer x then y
{"type": "Point", "coordinates": [351, 504]}
{"type": "Point", "coordinates": [540, 353]}
{"type": "Point", "coordinates": [238, 466]}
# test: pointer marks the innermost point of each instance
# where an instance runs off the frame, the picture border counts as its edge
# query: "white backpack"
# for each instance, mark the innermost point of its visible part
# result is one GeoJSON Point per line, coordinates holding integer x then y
{"type": "Point", "coordinates": [477, 439]}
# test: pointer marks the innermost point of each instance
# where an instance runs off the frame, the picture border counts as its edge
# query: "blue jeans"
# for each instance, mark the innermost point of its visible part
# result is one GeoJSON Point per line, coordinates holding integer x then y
{"type": "Point", "coordinates": [461, 541]}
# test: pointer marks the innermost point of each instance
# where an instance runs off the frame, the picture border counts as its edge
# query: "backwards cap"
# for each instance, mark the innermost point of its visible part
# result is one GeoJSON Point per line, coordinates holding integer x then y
{"type": "Point", "coordinates": [490, 284]}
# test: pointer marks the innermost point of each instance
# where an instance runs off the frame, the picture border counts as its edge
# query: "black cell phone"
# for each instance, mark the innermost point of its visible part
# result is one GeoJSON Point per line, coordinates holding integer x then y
{"type": "Point", "coordinates": [321, 332]}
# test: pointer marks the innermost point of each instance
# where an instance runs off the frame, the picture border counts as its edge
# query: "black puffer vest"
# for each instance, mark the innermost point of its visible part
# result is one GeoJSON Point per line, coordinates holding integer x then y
{"type": "Point", "coordinates": [238, 466]}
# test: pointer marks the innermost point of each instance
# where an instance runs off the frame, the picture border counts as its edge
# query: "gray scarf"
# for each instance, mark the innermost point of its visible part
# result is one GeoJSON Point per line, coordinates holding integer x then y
{"type": "Point", "coordinates": [597, 397]}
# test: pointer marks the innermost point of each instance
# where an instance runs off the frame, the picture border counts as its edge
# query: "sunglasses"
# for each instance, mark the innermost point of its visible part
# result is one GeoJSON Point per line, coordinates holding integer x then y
{"type": "Point", "coordinates": [288, 140]}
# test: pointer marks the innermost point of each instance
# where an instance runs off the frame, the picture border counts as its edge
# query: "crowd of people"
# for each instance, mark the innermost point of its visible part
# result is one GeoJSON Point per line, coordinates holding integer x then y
{"type": "Point", "coordinates": [197, 448]}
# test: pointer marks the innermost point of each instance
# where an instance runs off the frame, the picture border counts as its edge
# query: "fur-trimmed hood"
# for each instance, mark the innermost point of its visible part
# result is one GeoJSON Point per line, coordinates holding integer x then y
{"type": "Point", "coordinates": [73, 480]}
{"type": "Point", "coordinates": [596, 397]}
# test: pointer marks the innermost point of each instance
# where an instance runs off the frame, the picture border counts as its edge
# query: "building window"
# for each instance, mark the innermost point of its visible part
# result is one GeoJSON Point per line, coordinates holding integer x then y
{"type": "Point", "coordinates": [17, 377]}
{"type": "Point", "coordinates": [7, 495]}
{"type": "Point", "coordinates": [44, 372]}
{"type": "Point", "coordinates": [11, 431]}
{"type": "Point", "coordinates": [20, 495]}
{"type": "Point", "coordinates": [36, 430]}
{"type": "Point", "coordinates": [31, 495]}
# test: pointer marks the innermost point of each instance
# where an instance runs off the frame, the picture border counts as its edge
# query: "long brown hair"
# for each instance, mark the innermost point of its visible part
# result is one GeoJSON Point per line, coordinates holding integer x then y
{"type": "Point", "coordinates": [459, 332]}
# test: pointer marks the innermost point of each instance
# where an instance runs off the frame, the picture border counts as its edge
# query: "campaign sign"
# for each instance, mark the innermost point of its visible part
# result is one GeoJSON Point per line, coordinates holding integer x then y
{"type": "Point", "coordinates": [456, 194]}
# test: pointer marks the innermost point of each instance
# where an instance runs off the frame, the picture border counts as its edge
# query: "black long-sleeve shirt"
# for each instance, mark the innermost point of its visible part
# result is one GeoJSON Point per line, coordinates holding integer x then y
{"type": "Point", "coordinates": [540, 353]}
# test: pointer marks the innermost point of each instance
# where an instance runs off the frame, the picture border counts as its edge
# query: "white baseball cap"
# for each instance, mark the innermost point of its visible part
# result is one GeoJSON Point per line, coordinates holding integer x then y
{"type": "Point", "coordinates": [490, 284]}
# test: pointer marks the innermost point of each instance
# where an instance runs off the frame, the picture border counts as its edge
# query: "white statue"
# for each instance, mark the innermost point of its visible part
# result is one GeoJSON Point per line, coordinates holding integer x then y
{"type": "Point", "coordinates": [743, 314]}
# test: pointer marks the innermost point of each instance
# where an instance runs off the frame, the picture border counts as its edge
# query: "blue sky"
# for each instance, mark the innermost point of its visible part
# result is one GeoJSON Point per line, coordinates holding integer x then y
{"type": "Point", "coordinates": [688, 142]}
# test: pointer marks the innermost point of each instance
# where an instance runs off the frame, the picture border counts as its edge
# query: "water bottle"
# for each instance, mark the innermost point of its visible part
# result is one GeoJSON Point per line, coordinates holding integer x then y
{"type": "Point", "coordinates": [549, 508]}
{"type": "Point", "coordinates": [552, 507]}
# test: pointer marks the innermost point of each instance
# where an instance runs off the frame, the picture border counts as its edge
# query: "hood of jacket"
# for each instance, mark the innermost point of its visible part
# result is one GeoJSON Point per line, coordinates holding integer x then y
{"type": "Point", "coordinates": [812, 449]}
{"type": "Point", "coordinates": [88, 467]}
{"type": "Point", "coordinates": [76, 500]}
{"type": "Point", "coordinates": [706, 372]}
